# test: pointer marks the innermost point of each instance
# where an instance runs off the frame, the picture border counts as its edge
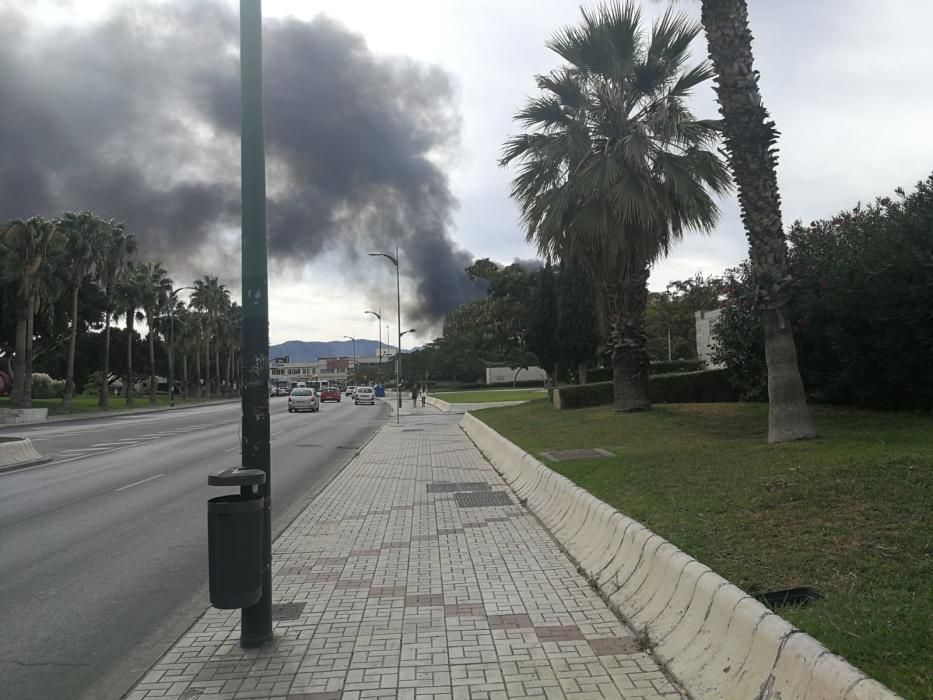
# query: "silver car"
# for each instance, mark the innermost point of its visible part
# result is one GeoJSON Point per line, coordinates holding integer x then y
{"type": "Point", "coordinates": [303, 399]}
{"type": "Point", "coordinates": [364, 394]}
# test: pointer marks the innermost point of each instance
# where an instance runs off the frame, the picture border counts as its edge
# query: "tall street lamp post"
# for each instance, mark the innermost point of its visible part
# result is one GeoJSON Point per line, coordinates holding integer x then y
{"type": "Point", "coordinates": [398, 300]}
{"type": "Point", "coordinates": [171, 345]}
{"type": "Point", "coordinates": [354, 356]}
{"type": "Point", "coordinates": [379, 324]}
{"type": "Point", "coordinates": [256, 620]}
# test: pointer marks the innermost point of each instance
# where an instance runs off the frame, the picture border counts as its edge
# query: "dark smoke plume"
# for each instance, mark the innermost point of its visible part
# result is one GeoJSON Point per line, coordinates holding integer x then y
{"type": "Point", "coordinates": [137, 118]}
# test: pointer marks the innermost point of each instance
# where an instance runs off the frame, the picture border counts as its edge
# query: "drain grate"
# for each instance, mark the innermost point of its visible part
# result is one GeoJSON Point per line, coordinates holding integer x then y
{"type": "Point", "coordinates": [570, 455]}
{"type": "Point", "coordinates": [786, 598]}
{"type": "Point", "coordinates": [287, 611]}
{"type": "Point", "coordinates": [453, 487]}
{"type": "Point", "coordinates": [482, 499]}
{"type": "Point", "coordinates": [413, 430]}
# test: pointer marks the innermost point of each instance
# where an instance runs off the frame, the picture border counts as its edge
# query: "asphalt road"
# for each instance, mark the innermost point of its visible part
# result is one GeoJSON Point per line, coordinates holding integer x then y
{"type": "Point", "coordinates": [103, 552]}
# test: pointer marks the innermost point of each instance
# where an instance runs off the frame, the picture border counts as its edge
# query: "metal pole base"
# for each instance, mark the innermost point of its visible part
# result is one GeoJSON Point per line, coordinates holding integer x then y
{"type": "Point", "coordinates": [256, 624]}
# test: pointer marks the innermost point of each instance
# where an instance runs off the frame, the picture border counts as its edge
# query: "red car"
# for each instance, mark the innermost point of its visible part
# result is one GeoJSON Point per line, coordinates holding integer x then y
{"type": "Point", "coordinates": [330, 394]}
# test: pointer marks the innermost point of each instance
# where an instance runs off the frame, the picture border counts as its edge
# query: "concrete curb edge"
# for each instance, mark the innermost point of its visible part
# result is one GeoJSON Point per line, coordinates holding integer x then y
{"type": "Point", "coordinates": [717, 641]}
{"type": "Point", "coordinates": [18, 453]}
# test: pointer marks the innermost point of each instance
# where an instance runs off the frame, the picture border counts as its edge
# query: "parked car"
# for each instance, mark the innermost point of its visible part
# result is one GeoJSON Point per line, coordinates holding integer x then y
{"type": "Point", "coordinates": [364, 394]}
{"type": "Point", "coordinates": [303, 399]}
{"type": "Point", "coordinates": [350, 389]}
{"type": "Point", "coordinates": [331, 393]}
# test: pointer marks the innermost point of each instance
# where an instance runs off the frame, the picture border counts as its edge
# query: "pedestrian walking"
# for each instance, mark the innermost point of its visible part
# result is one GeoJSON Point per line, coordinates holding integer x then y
{"type": "Point", "coordinates": [414, 396]}
{"type": "Point", "coordinates": [424, 394]}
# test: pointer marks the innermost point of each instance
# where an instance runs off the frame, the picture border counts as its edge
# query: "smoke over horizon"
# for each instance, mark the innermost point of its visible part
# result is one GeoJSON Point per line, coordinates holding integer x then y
{"type": "Point", "coordinates": [136, 117]}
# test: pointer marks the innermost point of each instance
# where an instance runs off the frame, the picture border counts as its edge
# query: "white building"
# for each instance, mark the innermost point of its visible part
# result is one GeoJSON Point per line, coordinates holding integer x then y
{"type": "Point", "coordinates": [507, 375]}
{"type": "Point", "coordinates": [705, 324]}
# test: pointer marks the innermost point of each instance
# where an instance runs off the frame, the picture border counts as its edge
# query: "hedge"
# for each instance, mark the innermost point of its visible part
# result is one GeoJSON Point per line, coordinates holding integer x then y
{"type": "Point", "coordinates": [707, 386]}
{"type": "Point", "coordinates": [672, 366]}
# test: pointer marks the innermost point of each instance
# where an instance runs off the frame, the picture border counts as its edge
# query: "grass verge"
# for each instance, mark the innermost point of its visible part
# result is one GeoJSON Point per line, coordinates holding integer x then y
{"type": "Point", "coordinates": [848, 513]}
{"type": "Point", "coordinates": [480, 396]}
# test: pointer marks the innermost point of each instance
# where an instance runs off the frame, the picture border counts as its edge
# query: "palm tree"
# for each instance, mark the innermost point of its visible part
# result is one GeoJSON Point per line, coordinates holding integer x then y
{"type": "Point", "coordinates": [156, 288]}
{"type": "Point", "coordinates": [115, 263]}
{"type": "Point", "coordinates": [615, 167]}
{"type": "Point", "coordinates": [84, 241]}
{"type": "Point", "coordinates": [750, 135]}
{"type": "Point", "coordinates": [130, 293]}
{"type": "Point", "coordinates": [211, 297]}
{"type": "Point", "coordinates": [26, 248]}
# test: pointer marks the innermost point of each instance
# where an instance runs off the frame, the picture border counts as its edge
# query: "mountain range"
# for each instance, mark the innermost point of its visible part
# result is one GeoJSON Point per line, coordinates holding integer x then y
{"type": "Point", "coordinates": [307, 350]}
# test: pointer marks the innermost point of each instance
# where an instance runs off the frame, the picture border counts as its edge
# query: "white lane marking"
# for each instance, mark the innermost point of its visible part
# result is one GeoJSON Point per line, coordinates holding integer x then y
{"type": "Point", "coordinates": [232, 449]}
{"type": "Point", "coordinates": [278, 433]}
{"type": "Point", "coordinates": [86, 449]}
{"type": "Point", "coordinates": [137, 483]}
{"type": "Point", "coordinates": [111, 444]}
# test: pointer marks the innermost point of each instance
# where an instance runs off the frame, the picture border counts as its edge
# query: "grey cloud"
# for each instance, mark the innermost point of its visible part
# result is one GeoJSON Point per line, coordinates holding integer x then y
{"type": "Point", "coordinates": [137, 118]}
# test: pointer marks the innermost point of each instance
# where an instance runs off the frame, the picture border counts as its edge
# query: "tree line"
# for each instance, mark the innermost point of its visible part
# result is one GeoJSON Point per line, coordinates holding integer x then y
{"type": "Point", "coordinates": [70, 279]}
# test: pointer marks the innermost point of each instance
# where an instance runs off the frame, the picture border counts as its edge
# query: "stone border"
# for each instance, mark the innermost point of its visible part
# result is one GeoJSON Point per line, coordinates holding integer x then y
{"type": "Point", "coordinates": [21, 416]}
{"type": "Point", "coordinates": [18, 453]}
{"type": "Point", "coordinates": [714, 638]}
{"type": "Point", "coordinates": [445, 407]}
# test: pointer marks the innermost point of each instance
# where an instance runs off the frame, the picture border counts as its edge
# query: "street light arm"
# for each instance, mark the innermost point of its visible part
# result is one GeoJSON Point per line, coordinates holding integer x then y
{"type": "Point", "coordinates": [387, 255]}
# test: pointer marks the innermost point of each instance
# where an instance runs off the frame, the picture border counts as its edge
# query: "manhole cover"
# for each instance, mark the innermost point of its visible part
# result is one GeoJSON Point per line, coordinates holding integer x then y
{"type": "Point", "coordinates": [454, 487]}
{"type": "Point", "coordinates": [287, 611]}
{"type": "Point", "coordinates": [482, 499]}
{"type": "Point", "coordinates": [584, 453]}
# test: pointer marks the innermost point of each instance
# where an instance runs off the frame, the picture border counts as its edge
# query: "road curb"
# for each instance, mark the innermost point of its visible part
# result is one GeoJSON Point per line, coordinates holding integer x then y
{"type": "Point", "coordinates": [445, 407]}
{"type": "Point", "coordinates": [715, 639]}
{"type": "Point", "coordinates": [19, 453]}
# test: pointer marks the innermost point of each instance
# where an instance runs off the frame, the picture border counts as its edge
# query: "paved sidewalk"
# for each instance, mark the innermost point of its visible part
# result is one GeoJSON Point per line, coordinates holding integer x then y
{"type": "Point", "coordinates": [402, 580]}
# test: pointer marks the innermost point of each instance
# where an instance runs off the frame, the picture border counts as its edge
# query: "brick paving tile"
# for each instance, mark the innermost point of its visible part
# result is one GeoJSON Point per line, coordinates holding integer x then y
{"type": "Point", "coordinates": [406, 595]}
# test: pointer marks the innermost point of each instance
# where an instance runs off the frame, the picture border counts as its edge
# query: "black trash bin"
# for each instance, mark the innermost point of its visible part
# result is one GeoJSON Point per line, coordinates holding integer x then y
{"type": "Point", "coordinates": [234, 539]}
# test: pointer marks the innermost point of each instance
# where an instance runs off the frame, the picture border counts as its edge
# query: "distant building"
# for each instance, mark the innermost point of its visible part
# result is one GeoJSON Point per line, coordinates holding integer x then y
{"type": "Point", "coordinates": [507, 375]}
{"type": "Point", "coordinates": [705, 324]}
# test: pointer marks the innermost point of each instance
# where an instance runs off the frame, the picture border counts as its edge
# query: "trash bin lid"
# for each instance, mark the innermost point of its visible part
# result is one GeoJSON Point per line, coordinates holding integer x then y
{"type": "Point", "coordinates": [237, 477]}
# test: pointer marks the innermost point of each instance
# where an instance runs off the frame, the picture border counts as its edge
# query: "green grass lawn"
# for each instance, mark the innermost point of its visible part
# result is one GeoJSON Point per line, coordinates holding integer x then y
{"type": "Point", "coordinates": [488, 396]}
{"type": "Point", "coordinates": [849, 513]}
{"type": "Point", "coordinates": [88, 404]}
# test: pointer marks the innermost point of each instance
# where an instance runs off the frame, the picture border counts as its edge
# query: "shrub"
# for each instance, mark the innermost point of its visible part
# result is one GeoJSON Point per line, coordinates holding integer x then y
{"type": "Point", "coordinates": [44, 387]}
{"type": "Point", "coordinates": [583, 395]}
{"type": "Point", "coordinates": [671, 366]}
{"type": "Point", "coordinates": [706, 386]}
{"type": "Point", "coordinates": [600, 374]}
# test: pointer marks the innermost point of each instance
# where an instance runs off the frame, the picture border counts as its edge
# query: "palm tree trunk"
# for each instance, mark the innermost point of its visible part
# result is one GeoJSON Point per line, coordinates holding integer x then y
{"type": "Point", "coordinates": [229, 372]}
{"type": "Point", "coordinates": [129, 357]}
{"type": "Point", "coordinates": [197, 364]}
{"type": "Point", "coordinates": [626, 315]}
{"type": "Point", "coordinates": [217, 365]}
{"type": "Point", "coordinates": [19, 359]}
{"type": "Point", "coordinates": [581, 373]}
{"type": "Point", "coordinates": [72, 342]}
{"type": "Point", "coordinates": [104, 399]}
{"type": "Point", "coordinates": [152, 376]}
{"type": "Point", "coordinates": [184, 372]}
{"type": "Point", "coordinates": [26, 401]}
{"type": "Point", "coordinates": [750, 136]}
{"type": "Point", "coordinates": [207, 366]}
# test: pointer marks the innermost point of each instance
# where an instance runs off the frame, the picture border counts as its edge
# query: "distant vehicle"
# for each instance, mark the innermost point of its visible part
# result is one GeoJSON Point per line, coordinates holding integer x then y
{"type": "Point", "coordinates": [364, 394]}
{"type": "Point", "coordinates": [331, 393]}
{"type": "Point", "coordinates": [303, 399]}
{"type": "Point", "coordinates": [350, 389]}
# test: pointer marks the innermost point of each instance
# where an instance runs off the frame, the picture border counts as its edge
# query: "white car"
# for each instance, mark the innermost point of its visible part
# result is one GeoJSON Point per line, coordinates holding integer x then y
{"type": "Point", "coordinates": [350, 390]}
{"type": "Point", "coordinates": [364, 394]}
{"type": "Point", "coordinates": [303, 399]}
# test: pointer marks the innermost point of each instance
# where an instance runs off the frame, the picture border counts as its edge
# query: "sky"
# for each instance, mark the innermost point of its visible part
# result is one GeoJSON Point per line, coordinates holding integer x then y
{"type": "Point", "coordinates": [384, 123]}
